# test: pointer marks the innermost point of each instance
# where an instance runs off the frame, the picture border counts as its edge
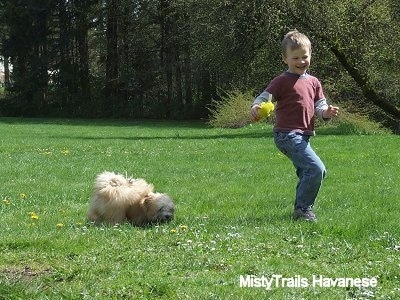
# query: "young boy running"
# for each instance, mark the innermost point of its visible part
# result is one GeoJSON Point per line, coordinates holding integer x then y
{"type": "Point", "coordinates": [299, 97]}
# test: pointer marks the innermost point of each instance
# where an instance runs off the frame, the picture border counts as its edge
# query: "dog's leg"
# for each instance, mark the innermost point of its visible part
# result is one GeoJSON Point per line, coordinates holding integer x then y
{"type": "Point", "coordinates": [93, 215]}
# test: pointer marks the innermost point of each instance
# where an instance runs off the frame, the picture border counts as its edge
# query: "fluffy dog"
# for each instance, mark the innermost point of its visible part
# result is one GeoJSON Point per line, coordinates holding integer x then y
{"type": "Point", "coordinates": [117, 199]}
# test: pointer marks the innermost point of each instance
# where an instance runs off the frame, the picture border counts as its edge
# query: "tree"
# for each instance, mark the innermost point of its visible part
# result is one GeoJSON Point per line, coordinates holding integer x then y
{"type": "Point", "coordinates": [170, 58]}
{"type": "Point", "coordinates": [354, 31]}
{"type": "Point", "coordinates": [26, 45]}
{"type": "Point", "coordinates": [111, 88]}
{"type": "Point", "coordinates": [82, 29]}
{"type": "Point", "coordinates": [69, 67]}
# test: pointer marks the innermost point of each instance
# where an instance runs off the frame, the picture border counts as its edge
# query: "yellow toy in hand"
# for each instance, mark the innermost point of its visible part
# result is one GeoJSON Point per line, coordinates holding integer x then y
{"type": "Point", "coordinates": [266, 109]}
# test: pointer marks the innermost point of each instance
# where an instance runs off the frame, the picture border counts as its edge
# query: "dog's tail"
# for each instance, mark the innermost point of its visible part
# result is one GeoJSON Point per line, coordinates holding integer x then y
{"type": "Point", "coordinates": [117, 187]}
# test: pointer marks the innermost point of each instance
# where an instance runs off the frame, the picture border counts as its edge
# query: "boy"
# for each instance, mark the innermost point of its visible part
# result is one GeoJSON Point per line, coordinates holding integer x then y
{"type": "Point", "coordinates": [298, 97]}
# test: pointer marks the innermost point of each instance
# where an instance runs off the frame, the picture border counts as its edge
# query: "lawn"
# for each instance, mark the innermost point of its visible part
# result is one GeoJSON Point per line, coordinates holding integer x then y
{"type": "Point", "coordinates": [233, 193]}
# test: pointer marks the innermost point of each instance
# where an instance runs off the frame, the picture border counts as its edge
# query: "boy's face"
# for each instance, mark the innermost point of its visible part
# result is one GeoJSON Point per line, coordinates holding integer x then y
{"type": "Point", "coordinates": [298, 60]}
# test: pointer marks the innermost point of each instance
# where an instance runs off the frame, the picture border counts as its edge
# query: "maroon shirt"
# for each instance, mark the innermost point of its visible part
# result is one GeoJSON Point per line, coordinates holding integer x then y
{"type": "Point", "coordinates": [296, 97]}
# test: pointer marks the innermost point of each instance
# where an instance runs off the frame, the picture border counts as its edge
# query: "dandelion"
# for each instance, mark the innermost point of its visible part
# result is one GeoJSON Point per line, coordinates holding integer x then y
{"type": "Point", "coordinates": [6, 202]}
{"type": "Point", "coordinates": [183, 227]}
{"type": "Point", "coordinates": [108, 152]}
{"type": "Point", "coordinates": [173, 230]}
{"type": "Point", "coordinates": [33, 216]}
{"type": "Point", "coordinates": [59, 225]}
{"type": "Point", "coordinates": [22, 196]}
{"type": "Point", "coordinates": [65, 151]}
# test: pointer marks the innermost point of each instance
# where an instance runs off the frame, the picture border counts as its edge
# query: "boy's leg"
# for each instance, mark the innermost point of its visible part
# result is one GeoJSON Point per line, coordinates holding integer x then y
{"type": "Point", "coordinates": [311, 172]}
{"type": "Point", "coordinates": [309, 167]}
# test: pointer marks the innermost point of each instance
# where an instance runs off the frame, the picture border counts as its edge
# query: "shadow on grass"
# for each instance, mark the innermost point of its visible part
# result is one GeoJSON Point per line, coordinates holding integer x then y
{"type": "Point", "coordinates": [173, 124]}
{"type": "Point", "coordinates": [173, 129]}
{"type": "Point", "coordinates": [255, 135]}
{"type": "Point", "coordinates": [149, 123]}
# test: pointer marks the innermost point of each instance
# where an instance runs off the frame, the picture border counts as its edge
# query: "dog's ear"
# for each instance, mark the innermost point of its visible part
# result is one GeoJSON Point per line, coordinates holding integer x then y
{"type": "Point", "coordinates": [113, 182]}
{"type": "Point", "coordinates": [147, 200]}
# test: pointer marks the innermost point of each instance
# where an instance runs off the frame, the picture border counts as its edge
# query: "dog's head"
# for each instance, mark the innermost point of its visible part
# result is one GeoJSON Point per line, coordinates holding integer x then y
{"type": "Point", "coordinates": [159, 207]}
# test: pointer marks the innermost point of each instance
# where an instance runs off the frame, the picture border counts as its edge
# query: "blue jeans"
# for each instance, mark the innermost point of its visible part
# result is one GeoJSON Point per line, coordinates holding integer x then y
{"type": "Point", "coordinates": [309, 168]}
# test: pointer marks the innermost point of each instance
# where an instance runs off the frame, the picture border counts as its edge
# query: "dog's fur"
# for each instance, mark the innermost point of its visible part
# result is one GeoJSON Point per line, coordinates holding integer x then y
{"type": "Point", "coordinates": [117, 199]}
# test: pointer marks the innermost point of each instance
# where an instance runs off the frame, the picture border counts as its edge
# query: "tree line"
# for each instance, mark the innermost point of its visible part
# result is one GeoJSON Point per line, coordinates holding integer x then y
{"type": "Point", "coordinates": [170, 58]}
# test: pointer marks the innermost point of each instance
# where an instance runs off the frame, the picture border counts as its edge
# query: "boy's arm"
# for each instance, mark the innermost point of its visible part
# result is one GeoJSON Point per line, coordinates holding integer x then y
{"type": "Point", "coordinates": [325, 111]}
{"type": "Point", "coordinates": [263, 97]}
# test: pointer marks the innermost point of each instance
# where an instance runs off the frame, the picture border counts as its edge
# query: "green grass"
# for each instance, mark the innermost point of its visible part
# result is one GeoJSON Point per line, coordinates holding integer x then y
{"type": "Point", "coordinates": [233, 193]}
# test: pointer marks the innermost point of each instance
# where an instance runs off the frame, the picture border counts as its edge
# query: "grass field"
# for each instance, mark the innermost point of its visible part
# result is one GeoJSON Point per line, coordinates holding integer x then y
{"type": "Point", "coordinates": [234, 195]}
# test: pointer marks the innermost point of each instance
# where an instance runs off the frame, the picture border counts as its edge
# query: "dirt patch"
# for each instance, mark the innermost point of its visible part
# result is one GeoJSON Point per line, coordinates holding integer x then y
{"type": "Point", "coordinates": [25, 273]}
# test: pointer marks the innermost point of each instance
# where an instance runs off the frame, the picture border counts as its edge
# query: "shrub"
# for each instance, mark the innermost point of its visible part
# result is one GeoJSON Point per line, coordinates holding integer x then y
{"type": "Point", "coordinates": [232, 110]}
{"type": "Point", "coordinates": [352, 122]}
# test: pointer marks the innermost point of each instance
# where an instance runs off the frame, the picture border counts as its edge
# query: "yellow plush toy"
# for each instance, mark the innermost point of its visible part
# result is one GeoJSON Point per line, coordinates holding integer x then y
{"type": "Point", "coordinates": [266, 109]}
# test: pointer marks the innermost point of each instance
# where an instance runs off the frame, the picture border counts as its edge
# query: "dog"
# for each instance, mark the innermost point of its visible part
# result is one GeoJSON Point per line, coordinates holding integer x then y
{"type": "Point", "coordinates": [117, 199]}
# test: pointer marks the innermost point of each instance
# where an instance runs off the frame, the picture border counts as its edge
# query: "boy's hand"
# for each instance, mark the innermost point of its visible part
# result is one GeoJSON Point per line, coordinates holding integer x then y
{"type": "Point", "coordinates": [254, 112]}
{"type": "Point", "coordinates": [331, 112]}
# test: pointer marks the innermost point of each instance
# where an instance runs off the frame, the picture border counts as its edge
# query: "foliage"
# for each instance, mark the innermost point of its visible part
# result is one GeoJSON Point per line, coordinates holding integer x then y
{"type": "Point", "coordinates": [351, 122]}
{"type": "Point", "coordinates": [232, 110]}
{"type": "Point", "coordinates": [168, 59]}
{"type": "Point", "coordinates": [352, 31]}
{"type": "Point", "coordinates": [233, 192]}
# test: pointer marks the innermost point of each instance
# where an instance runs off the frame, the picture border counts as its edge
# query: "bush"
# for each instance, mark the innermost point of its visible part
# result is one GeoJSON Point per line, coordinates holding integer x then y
{"type": "Point", "coordinates": [351, 122]}
{"type": "Point", "coordinates": [232, 110]}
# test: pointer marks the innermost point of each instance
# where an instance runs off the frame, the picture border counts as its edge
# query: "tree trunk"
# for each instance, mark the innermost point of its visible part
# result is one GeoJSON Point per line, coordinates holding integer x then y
{"type": "Point", "coordinates": [187, 66]}
{"type": "Point", "coordinates": [178, 108]}
{"type": "Point", "coordinates": [6, 72]}
{"type": "Point", "coordinates": [40, 58]}
{"type": "Point", "coordinates": [112, 59]}
{"type": "Point", "coordinates": [83, 65]}
{"type": "Point", "coordinates": [64, 77]}
{"type": "Point", "coordinates": [363, 82]}
{"type": "Point", "coordinates": [167, 52]}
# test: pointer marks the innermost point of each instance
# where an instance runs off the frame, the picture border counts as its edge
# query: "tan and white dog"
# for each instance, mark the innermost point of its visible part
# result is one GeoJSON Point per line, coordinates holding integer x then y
{"type": "Point", "coordinates": [117, 199]}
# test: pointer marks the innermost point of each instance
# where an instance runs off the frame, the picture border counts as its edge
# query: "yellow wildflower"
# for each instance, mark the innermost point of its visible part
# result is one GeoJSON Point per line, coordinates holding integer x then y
{"type": "Point", "coordinates": [33, 215]}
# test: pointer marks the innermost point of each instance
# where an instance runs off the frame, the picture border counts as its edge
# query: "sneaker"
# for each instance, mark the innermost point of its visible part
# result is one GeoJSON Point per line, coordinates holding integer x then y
{"type": "Point", "coordinates": [306, 215]}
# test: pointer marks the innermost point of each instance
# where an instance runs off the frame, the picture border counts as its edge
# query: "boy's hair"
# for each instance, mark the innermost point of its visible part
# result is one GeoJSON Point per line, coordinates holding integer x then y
{"type": "Point", "coordinates": [295, 40]}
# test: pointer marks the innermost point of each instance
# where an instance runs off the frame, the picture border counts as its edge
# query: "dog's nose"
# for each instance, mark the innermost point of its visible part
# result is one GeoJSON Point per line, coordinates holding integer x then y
{"type": "Point", "coordinates": [168, 217]}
